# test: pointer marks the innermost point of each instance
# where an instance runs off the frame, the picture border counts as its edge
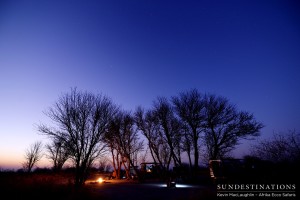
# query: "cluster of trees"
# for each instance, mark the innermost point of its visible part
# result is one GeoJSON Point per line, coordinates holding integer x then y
{"type": "Point", "coordinates": [282, 148]}
{"type": "Point", "coordinates": [85, 126]}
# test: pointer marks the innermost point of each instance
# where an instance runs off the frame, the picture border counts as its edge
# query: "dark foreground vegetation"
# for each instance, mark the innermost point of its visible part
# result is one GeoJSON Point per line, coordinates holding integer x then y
{"type": "Point", "coordinates": [49, 185]}
{"type": "Point", "coordinates": [43, 185]}
{"type": "Point", "coordinates": [46, 184]}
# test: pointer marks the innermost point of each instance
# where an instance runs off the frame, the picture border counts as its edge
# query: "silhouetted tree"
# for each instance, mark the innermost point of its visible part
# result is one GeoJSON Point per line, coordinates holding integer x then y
{"type": "Point", "coordinates": [32, 155]}
{"type": "Point", "coordinates": [126, 138]}
{"type": "Point", "coordinates": [189, 106]}
{"type": "Point", "coordinates": [104, 165]}
{"type": "Point", "coordinates": [169, 127]}
{"type": "Point", "coordinates": [187, 145]}
{"type": "Point", "coordinates": [114, 149]}
{"type": "Point", "coordinates": [149, 125]}
{"type": "Point", "coordinates": [282, 147]}
{"type": "Point", "coordinates": [225, 126]}
{"type": "Point", "coordinates": [57, 153]}
{"type": "Point", "coordinates": [110, 140]}
{"type": "Point", "coordinates": [82, 119]}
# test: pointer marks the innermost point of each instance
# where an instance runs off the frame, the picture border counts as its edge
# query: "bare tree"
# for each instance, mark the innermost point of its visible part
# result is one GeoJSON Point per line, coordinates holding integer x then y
{"type": "Point", "coordinates": [115, 151]}
{"type": "Point", "coordinates": [103, 164]}
{"type": "Point", "coordinates": [81, 120]}
{"type": "Point", "coordinates": [282, 147]}
{"type": "Point", "coordinates": [189, 106]}
{"type": "Point", "coordinates": [169, 127]}
{"type": "Point", "coordinates": [126, 137]}
{"type": "Point", "coordinates": [149, 125]}
{"type": "Point", "coordinates": [187, 145]}
{"type": "Point", "coordinates": [57, 153]}
{"type": "Point", "coordinates": [225, 126]}
{"type": "Point", "coordinates": [32, 156]}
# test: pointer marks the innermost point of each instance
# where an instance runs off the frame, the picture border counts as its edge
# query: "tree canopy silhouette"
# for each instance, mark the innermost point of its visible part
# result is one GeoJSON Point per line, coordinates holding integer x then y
{"type": "Point", "coordinates": [225, 126]}
{"type": "Point", "coordinates": [85, 125]}
{"type": "Point", "coordinates": [81, 119]}
{"type": "Point", "coordinates": [189, 106]}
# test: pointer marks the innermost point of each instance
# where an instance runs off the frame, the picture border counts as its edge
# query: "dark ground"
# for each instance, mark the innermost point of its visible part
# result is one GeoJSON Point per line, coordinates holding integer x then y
{"type": "Point", "coordinates": [151, 190]}
{"type": "Point", "coordinates": [58, 186]}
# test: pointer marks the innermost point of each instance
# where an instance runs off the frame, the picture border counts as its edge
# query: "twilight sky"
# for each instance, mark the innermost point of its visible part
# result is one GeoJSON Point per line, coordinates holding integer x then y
{"type": "Point", "coordinates": [134, 51]}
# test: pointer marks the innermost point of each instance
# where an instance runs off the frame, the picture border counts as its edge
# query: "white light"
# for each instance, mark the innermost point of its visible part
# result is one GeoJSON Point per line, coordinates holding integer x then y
{"type": "Point", "coordinates": [183, 186]}
{"type": "Point", "coordinates": [177, 185]}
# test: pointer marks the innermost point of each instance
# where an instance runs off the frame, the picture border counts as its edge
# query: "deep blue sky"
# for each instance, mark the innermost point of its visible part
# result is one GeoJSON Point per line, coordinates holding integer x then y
{"type": "Point", "coordinates": [134, 51]}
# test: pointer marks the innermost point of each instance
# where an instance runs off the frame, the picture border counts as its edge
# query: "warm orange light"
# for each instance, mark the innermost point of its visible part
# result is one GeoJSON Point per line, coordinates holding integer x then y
{"type": "Point", "coordinates": [100, 180]}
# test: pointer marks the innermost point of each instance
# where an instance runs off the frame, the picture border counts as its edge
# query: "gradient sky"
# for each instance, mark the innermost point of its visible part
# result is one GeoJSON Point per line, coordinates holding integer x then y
{"type": "Point", "coordinates": [134, 51]}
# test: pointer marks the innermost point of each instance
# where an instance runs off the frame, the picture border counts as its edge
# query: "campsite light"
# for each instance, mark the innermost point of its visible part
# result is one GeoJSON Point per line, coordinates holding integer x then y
{"type": "Point", "coordinates": [100, 180]}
